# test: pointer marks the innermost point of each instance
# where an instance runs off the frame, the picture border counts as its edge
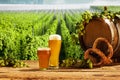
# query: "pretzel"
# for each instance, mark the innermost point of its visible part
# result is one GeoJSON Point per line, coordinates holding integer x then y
{"type": "Point", "coordinates": [94, 59]}
{"type": "Point", "coordinates": [97, 54]}
{"type": "Point", "coordinates": [109, 50]}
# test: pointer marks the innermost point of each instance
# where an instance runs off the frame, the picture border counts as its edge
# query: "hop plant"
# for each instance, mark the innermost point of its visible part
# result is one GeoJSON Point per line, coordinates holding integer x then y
{"type": "Point", "coordinates": [77, 63]}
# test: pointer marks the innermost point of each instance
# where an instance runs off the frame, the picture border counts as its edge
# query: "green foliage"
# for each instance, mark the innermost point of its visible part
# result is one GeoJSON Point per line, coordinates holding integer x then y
{"type": "Point", "coordinates": [69, 48]}
{"type": "Point", "coordinates": [87, 16]}
{"type": "Point", "coordinates": [109, 8]}
{"type": "Point", "coordinates": [21, 33]}
{"type": "Point", "coordinates": [30, 31]}
{"type": "Point", "coordinates": [9, 49]}
{"type": "Point", "coordinates": [11, 63]}
{"type": "Point", "coordinates": [8, 43]}
{"type": "Point", "coordinates": [76, 63]}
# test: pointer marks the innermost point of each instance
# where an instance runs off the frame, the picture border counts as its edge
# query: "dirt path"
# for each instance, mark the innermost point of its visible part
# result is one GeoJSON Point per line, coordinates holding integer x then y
{"type": "Point", "coordinates": [33, 73]}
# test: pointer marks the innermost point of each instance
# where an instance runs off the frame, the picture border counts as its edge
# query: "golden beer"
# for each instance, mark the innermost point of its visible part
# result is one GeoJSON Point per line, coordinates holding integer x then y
{"type": "Point", "coordinates": [43, 56]}
{"type": "Point", "coordinates": [55, 46]}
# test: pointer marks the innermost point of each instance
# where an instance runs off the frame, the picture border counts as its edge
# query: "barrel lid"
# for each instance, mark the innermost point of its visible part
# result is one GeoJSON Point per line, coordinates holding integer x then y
{"type": "Point", "coordinates": [96, 28]}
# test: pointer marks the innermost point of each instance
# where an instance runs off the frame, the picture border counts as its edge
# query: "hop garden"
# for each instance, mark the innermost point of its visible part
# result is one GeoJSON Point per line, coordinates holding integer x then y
{"type": "Point", "coordinates": [22, 32]}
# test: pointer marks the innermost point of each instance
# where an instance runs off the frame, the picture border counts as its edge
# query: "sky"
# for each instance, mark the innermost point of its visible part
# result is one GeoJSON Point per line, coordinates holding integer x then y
{"type": "Point", "coordinates": [44, 1]}
{"type": "Point", "coordinates": [96, 2]}
{"type": "Point", "coordinates": [53, 4]}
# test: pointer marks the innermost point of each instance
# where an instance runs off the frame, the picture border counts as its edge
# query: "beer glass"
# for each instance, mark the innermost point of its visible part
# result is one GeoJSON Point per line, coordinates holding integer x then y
{"type": "Point", "coordinates": [55, 46]}
{"type": "Point", "coordinates": [43, 56]}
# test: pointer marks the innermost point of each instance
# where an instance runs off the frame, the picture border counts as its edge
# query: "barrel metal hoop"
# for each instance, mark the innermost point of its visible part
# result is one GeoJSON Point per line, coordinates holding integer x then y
{"type": "Point", "coordinates": [111, 29]}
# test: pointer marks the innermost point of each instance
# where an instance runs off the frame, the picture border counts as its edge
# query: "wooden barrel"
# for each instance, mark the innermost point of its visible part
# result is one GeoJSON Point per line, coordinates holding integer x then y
{"type": "Point", "coordinates": [105, 28]}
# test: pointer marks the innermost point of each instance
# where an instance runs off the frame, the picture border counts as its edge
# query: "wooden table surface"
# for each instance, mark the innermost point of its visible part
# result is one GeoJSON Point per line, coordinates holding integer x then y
{"type": "Point", "coordinates": [33, 73]}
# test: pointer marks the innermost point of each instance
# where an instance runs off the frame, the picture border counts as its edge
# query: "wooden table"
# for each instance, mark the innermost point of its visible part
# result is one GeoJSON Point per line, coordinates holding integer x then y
{"type": "Point", "coordinates": [33, 73]}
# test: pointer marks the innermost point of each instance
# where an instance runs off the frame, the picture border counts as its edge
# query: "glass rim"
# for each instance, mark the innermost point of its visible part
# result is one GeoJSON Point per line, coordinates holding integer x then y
{"type": "Point", "coordinates": [55, 37]}
{"type": "Point", "coordinates": [44, 48]}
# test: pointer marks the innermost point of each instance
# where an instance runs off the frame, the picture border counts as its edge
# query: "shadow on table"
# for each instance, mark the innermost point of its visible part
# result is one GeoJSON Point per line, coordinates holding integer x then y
{"type": "Point", "coordinates": [60, 70]}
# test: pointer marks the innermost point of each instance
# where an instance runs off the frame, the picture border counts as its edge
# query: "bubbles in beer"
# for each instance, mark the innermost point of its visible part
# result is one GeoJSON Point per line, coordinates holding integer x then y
{"type": "Point", "coordinates": [55, 37]}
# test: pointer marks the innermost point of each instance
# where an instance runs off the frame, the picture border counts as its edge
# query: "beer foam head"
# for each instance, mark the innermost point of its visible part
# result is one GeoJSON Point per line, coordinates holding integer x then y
{"type": "Point", "coordinates": [43, 49]}
{"type": "Point", "coordinates": [55, 37]}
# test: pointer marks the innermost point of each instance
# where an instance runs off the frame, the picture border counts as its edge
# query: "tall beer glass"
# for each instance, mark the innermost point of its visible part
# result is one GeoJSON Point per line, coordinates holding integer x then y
{"type": "Point", "coordinates": [43, 56]}
{"type": "Point", "coordinates": [55, 46]}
